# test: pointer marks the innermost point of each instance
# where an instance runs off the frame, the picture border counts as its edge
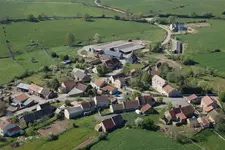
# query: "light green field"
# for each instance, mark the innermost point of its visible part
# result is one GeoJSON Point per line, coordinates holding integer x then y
{"type": "Point", "coordinates": [169, 6]}
{"type": "Point", "coordinates": [21, 9]}
{"type": "Point", "coordinates": [134, 139]}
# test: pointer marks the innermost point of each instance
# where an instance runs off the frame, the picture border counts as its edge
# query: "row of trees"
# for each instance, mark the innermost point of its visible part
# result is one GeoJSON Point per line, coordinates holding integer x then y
{"type": "Point", "coordinates": [70, 39]}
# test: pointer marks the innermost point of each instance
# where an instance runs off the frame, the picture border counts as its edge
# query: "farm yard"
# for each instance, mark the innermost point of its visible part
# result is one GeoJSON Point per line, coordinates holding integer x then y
{"type": "Point", "coordinates": [181, 7]}
{"type": "Point", "coordinates": [132, 139]}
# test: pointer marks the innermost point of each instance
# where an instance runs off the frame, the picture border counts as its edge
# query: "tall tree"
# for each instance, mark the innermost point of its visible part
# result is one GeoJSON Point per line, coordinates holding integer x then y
{"type": "Point", "coordinates": [97, 38]}
{"type": "Point", "coordinates": [86, 17]}
{"type": "Point", "coordinates": [70, 39]}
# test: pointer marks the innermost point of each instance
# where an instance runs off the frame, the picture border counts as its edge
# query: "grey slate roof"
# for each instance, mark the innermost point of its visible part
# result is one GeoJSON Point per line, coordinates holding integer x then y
{"type": "Point", "coordinates": [112, 53]}
{"type": "Point", "coordinates": [23, 86]}
{"type": "Point", "coordinates": [73, 110]}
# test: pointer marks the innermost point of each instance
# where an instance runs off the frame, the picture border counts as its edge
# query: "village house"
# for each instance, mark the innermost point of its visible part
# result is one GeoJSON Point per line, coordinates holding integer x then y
{"type": "Point", "coordinates": [88, 106]}
{"type": "Point", "coordinates": [147, 109]}
{"type": "Point", "coordinates": [113, 64]}
{"type": "Point", "coordinates": [169, 91]}
{"type": "Point", "coordinates": [113, 78]}
{"type": "Point", "coordinates": [145, 99]}
{"type": "Point", "coordinates": [204, 122]}
{"type": "Point", "coordinates": [82, 76]}
{"type": "Point", "coordinates": [78, 69]}
{"type": "Point", "coordinates": [193, 123]}
{"type": "Point", "coordinates": [130, 105]}
{"type": "Point", "coordinates": [45, 106]}
{"type": "Point", "coordinates": [67, 86]}
{"type": "Point", "coordinates": [47, 93]}
{"type": "Point", "coordinates": [212, 115]}
{"type": "Point", "coordinates": [131, 58]}
{"type": "Point", "coordinates": [99, 83]}
{"type": "Point", "coordinates": [79, 90]}
{"type": "Point", "coordinates": [193, 99]}
{"type": "Point", "coordinates": [175, 27]}
{"type": "Point", "coordinates": [116, 108]}
{"type": "Point", "coordinates": [23, 87]}
{"type": "Point", "coordinates": [110, 124]}
{"type": "Point", "coordinates": [120, 83]}
{"type": "Point", "coordinates": [35, 89]}
{"type": "Point", "coordinates": [208, 104]}
{"type": "Point", "coordinates": [42, 111]}
{"type": "Point", "coordinates": [18, 100]}
{"type": "Point", "coordinates": [8, 129]}
{"type": "Point", "coordinates": [108, 89]}
{"type": "Point", "coordinates": [177, 47]}
{"type": "Point", "coordinates": [102, 101]}
{"type": "Point", "coordinates": [179, 114]}
{"type": "Point", "coordinates": [73, 112]}
{"type": "Point", "coordinates": [160, 85]}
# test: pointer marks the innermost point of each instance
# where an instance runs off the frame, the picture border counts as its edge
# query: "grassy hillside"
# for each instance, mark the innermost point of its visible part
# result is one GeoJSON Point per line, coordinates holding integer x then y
{"type": "Point", "coordinates": [169, 6]}
{"type": "Point", "coordinates": [53, 33]}
{"type": "Point", "coordinates": [131, 139]}
{"type": "Point", "coordinates": [22, 8]}
{"type": "Point", "coordinates": [201, 44]}
{"type": "Point", "coordinates": [53, 36]}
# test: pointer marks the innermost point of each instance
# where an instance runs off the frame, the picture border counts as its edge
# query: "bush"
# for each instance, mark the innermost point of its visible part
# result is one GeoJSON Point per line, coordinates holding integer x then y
{"type": "Point", "coordinates": [2, 139]}
{"type": "Point", "coordinates": [52, 137]}
{"type": "Point", "coordinates": [116, 17]}
{"type": "Point", "coordinates": [54, 55]}
{"type": "Point", "coordinates": [182, 139]}
{"type": "Point", "coordinates": [30, 132]}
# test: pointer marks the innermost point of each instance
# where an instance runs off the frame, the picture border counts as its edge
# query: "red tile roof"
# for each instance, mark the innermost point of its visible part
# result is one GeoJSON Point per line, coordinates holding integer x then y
{"type": "Point", "coordinates": [35, 88]}
{"type": "Point", "coordinates": [21, 97]}
{"type": "Point", "coordinates": [208, 109]}
{"type": "Point", "coordinates": [181, 116]}
{"type": "Point", "coordinates": [146, 108]}
{"type": "Point", "coordinates": [192, 97]}
{"type": "Point", "coordinates": [69, 84]}
{"type": "Point", "coordinates": [99, 82]}
{"type": "Point", "coordinates": [108, 88]}
{"type": "Point", "coordinates": [168, 88]}
{"type": "Point", "coordinates": [108, 124]}
{"type": "Point", "coordinates": [207, 100]}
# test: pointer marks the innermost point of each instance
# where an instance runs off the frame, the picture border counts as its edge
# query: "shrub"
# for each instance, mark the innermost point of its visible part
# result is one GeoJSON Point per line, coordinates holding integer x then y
{"type": "Point", "coordinates": [182, 139]}
{"type": "Point", "coordinates": [52, 137]}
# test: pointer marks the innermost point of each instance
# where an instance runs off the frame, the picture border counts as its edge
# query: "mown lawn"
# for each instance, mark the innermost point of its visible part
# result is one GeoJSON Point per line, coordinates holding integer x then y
{"type": "Point", "coordinates": [134, 139]}
{"type": "Point", "coordinates": [21, 9]}
{"type": "Point", "coordinates": [67, 141]}
{"type": "Point", "coordinates": [169, 6]}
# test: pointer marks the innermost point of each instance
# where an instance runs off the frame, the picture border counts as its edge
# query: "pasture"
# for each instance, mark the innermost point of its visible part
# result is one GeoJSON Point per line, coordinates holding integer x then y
{"type": "Point", "coordinates": [21, 9]}
{"type": "Point", "coordinates": [53, 33]}
{"type": "Point", "coordinates": [133, 139]}
{"type": "Point", "coordinates": [201, 44]}
{"type": "Point", "coordinates": [28, 40]}
{"type": "Point", "coordinates": [210, 140]}
{"type": "Point", "coordinates": [184, 7]}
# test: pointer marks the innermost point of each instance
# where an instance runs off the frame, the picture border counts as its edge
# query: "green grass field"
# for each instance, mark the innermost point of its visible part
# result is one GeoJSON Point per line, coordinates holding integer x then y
{"type": "Point", "coordinates": [67, 141]}
{"type": "Point", "coordinates": [134, 139]}
{"type": "Point", "coordinates": [53, 36]}
{"type": "Point", "coordinates": [53, 33]}
{"type": "Point", "coordinates": [169, 6]}
{"type": "Point", "coordinates": [21, 9]}
{"type": "Point", "coordinates": [207, 39]}
{"type": "Point", "coordinates": [210, 140]}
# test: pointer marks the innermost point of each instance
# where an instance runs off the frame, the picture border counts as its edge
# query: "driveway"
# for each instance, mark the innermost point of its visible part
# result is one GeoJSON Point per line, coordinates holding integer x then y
{"type": "Point", "coordinates": [99, 117]}
{"type": "Point", "coordinates": [169, 33]}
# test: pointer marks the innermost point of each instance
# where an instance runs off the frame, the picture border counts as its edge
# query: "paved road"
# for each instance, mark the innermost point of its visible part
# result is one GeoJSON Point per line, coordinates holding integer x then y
{"type": "Point", "coordinates": [169, 33]}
